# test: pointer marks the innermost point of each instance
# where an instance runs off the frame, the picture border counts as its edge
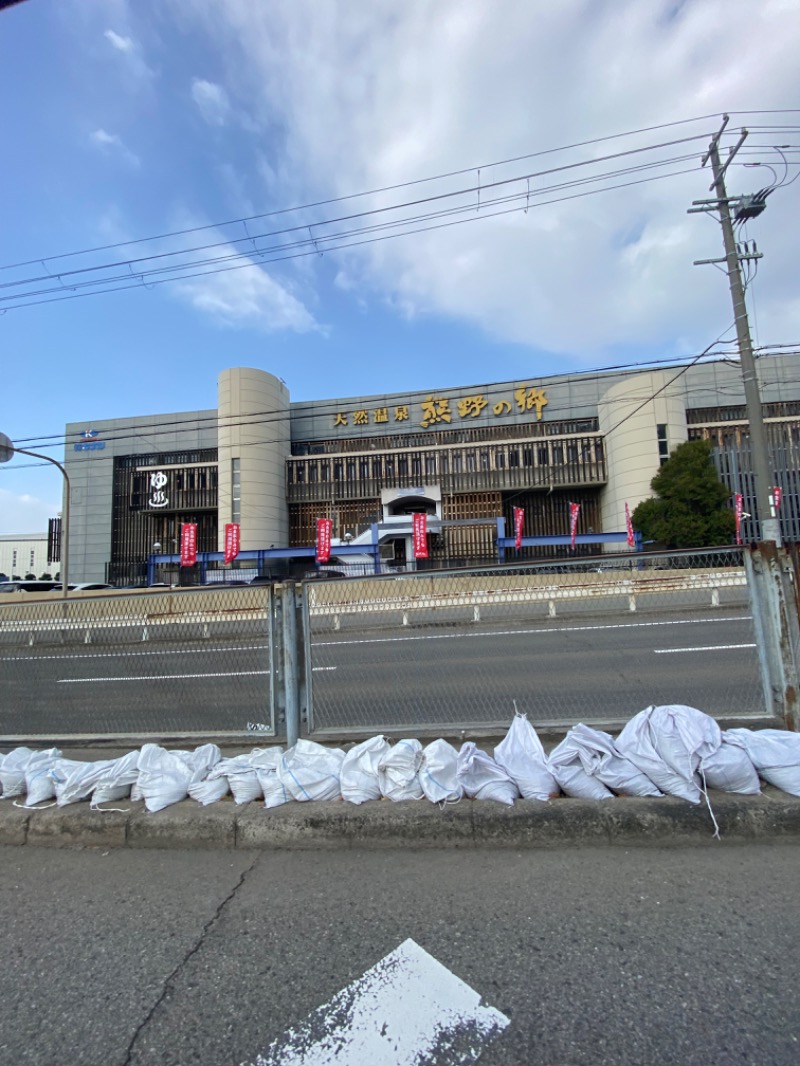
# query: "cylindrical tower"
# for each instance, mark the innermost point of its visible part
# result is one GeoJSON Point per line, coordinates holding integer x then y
{"type": "Point", "coordinates": [254, 444]}
{"type": "Point", "coordinates": [643, 418]}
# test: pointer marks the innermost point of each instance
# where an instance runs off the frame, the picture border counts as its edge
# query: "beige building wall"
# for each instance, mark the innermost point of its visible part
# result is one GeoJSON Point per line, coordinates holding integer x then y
{"type": "Point", "coordinates": [629, 414]}
{"type": "Point", "coordinates": [253, 431]}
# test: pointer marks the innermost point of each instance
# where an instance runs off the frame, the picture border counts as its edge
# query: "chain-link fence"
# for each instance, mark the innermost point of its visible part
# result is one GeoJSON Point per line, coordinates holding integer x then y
{"type": "Point", "coordinates": [176, 661]}
{"type": "Point", "coordinates": [590, 640]}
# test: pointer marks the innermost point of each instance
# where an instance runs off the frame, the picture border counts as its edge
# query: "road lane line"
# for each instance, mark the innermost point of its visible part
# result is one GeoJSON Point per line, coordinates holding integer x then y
{"type": "Point", "coordinates": [529, 632]}
{"type": "Point", "coordinates": [130, 654]}
{"type": "Point", "coordinates": [176, 677]}
{"type": "Point", "coordinates": [707, 647]}
{"type": "Point", "coordinates": [407, 1010]}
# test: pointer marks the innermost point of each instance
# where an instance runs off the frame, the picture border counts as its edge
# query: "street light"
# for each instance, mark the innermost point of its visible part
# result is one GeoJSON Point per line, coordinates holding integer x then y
{"type": "Point", "coordinates": [7, 452]}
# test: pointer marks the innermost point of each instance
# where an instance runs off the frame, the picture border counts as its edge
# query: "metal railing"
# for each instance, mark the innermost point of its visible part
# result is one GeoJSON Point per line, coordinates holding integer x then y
{"type": "Point", "coordinates": [172, 662]}
{"type": "Point", "coordinates": [591, 640]}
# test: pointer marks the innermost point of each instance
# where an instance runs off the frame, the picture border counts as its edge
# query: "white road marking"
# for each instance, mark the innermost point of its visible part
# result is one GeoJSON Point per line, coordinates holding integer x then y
{"type": "Point", "coordinates": [407, 1010]}
{"type": "Point", "coordinates": [707, 647]}
{"type": "Point", "coordinates": [530, 632]}
{"type": "Point", "coordinates": [132, 654]}
{"type": "Point", "coordinates": [176, 677]}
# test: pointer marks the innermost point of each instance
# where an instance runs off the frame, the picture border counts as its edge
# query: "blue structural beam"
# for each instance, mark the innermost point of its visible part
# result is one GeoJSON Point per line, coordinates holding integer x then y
{"type": "Point", "coordinates": [260, 556]}
{"type": "Point", "coordinates": [504, 542]}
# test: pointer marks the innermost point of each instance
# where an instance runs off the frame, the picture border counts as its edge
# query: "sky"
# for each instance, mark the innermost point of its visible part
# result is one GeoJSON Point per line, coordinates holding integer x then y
{"type": "Point", "coordinates": [142, 120]}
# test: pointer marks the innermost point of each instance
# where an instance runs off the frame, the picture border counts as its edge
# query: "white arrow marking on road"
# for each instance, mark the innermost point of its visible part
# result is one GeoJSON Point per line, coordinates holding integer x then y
{"type": "Point", "coordinates": [408, 1010]}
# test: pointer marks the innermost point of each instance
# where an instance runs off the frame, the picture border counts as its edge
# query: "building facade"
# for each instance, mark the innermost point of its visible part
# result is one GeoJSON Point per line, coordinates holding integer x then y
{"type": "Point", "coordinates": [466, 456]}
{"type": "Point", "coordinates": [22, 554]}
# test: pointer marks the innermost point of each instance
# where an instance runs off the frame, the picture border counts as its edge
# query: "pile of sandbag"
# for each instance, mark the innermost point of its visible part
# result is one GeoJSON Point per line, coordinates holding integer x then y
{"type": "Point", "coordinates": [674, 750]}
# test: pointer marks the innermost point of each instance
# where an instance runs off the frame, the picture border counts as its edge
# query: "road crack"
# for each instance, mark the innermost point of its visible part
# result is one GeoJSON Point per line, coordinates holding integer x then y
{"type": "Point", "coordinates": [171, 978]}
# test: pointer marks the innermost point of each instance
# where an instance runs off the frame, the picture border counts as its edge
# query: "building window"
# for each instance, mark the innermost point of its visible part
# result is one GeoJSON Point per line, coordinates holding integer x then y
{"type": "Point", "coordinates": [484, 460]}
{"type": "Point", "coordinates": [236, 491]}
{"type": "Point", "coordinates": [500, 459]}
{"type": "Point", "coordinates": [351, 469]}
{"type": "Point", "coordinates": [416, 466]}
{"type": "Point", "coordinates": [364, 468]}
{"type": "Point", "coordinates": [470, 462]}
{"type": "Point", "coordinates": [558, 455]}
{"type": "Point", "coordinates": [301, 473]}
{"type": "Point", "coordinates": [663, 443]}
{"type": "Point", "coordinates": [458, 463]}
{"type": "Point", "coordinates": [337, 471]}
{"type": "Point", "coordinates": [572, 453]}
{"type": "Point", "coordinates": [376, 468]}
{"type": "Point", "coordinates": [513, 457]}
{"type": "Point", "coordinates": [543, 456]}
{"type": "Point", "coordinates": [444, 462]}
{"type": "Point", "coordinates": [325, 471]}
{"type": "Point", "coordinates": [430, 465]}
{"type": "Point", "coordinates": [402, 466]}
{"type": "Point", "coordinates": [313, 472]}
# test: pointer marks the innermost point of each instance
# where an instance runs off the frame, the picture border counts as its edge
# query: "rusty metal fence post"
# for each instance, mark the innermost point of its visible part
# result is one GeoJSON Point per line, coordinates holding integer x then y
{"type": "Point", "coordinates": [772, 576]}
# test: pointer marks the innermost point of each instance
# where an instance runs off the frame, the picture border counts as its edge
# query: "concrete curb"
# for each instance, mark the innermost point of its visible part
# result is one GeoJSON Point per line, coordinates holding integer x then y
{"type": "Point", "coordinates": [771, 817]}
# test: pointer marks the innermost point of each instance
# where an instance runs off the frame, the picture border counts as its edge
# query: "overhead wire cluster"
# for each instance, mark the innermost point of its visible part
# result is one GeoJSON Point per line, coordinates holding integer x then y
{"type": "Point", "coordinates": [317, 228]}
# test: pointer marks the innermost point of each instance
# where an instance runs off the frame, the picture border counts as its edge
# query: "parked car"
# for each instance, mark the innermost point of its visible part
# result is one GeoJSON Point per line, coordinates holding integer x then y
{"type": "Point", "coordinates": [29, 586]}
{"type": "Point", "coordinates": [86, 586]}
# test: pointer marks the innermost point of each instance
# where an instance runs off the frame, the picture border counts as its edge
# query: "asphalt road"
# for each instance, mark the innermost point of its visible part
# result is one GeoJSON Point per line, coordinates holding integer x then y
{"type": "Point", "coordinates": [679, 957]}
{"type": "Point", "coordinates": [599, 666]}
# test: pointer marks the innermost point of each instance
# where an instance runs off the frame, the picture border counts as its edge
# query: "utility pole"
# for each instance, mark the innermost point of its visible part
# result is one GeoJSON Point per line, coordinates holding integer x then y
{"type": "Point", "coordinates": [762, 466]}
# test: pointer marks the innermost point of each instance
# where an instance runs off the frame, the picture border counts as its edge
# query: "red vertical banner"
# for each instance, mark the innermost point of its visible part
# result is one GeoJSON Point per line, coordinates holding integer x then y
{"type": "Point", "coordinates": [519, 523]}
{"type": "Point", "coordinates": [574, 511]}
{"type": "Point", "coordinates": [324, 530]}
{"type": "Point", "coordinates": [777, 493]}
{"type": "Point", "coordinates": [629, 526]}
{"type": "Point", "coordinates": [188, 544]}
{"type": "Point", "coordinates": [738, 511]}
{"type": "Point", "coordinates": [232, 535]}
{"type": "Point", "coordinates": [420, 536]}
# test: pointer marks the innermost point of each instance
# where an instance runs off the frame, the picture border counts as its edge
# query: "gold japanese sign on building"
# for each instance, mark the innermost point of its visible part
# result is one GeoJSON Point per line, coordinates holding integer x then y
{"type": "Point", "coordinates": [438, 410]}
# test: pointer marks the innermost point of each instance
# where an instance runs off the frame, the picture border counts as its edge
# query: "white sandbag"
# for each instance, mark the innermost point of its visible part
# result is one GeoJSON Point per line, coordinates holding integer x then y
{"type": "Point", "coordinates": [117, 781]}
{"type": "Point", "coordinates": [12, 772]}
{"type": "Point", "coordinates": [242, 772]}
{"type": "Point", "coordinates": [359, 774]}
{"type": "Point", "coordinates": [522, 756]}
{"type": "Point", "coordinates": [775, 753]}
{"type": "Point", "coordinates": [398, 771]}
{"type": "Point", "coordinates": [667, 744]}
{"type": "Point", "coordinates": [274, 790]}
{"type": "Point", "coordinates": [210, 790]}
{"type": "Point", "coordinates": [730, 768]}
{"type": "Point", "coordinates": [165, 776]}
{"type": "Point", "coordinates": [438, 775]}
{"type": "Point", "coordinates": [565, 764]}
{"type": "Point", "coordinates": [601, 760]}
{"type": "Point", "coordinates": [310, 771]}
{"type": "Point", "coordinates": [75, 781]}
{"type": "Point", "coordinates": [39, 786]}
{"type": "Point", "coordinates": [483, 778]}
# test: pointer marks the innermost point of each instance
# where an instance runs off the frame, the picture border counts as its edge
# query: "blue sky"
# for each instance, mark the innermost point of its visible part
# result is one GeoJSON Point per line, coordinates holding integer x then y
{"type": "Point", "coordinates": [127, 120]}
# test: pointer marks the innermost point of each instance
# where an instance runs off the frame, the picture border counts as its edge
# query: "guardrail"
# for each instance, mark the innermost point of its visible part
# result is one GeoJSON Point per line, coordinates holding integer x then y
{"type": "Point", "coordinates": [333, 601]}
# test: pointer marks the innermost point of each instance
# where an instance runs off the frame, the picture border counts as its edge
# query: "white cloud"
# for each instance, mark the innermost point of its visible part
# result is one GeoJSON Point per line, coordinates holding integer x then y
{"type": "Point", "coordinates": [133, 55]}
{"type": "Point", "coordinates": [122, 44]}
{"type": "Point", "coordinates": [247, 297]}
{"type": "Point", "coordinates": [23, 513]}
{"type": "Point", "coordinates": [212, 100]}
{"type": "Point", "coordinates": [387, 95]}
{"type": "Point", "coordinates": [113, 143]}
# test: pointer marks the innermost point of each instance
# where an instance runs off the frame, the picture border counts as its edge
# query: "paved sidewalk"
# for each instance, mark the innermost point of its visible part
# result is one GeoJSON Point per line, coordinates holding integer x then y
{"type": "Point", "coordinates": [631, 822]}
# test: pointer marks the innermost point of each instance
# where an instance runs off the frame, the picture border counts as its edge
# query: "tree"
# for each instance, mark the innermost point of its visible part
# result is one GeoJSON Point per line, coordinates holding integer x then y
{"type": "Point", "coordinates": [691, 505]}
{"type": "Point", "coordinates": [46, 577]}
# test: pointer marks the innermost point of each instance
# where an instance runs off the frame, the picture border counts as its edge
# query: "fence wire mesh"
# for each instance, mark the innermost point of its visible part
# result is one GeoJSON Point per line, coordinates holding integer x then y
{"type": "Point", "coordinates": [177, 661]}
{"type": "Point", "coordinates": [590, 640]}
